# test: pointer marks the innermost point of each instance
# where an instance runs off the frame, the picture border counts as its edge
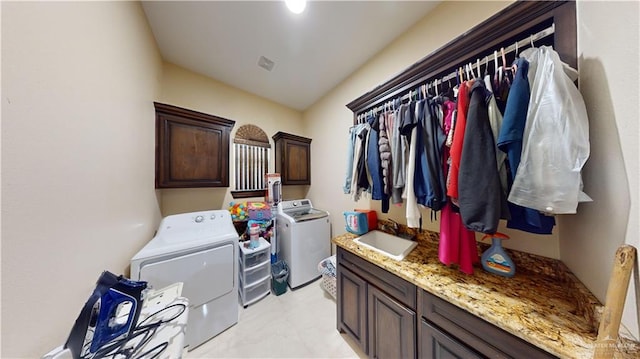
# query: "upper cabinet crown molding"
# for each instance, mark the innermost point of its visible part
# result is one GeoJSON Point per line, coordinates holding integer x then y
{"type": "Point", "coordinates": [192, 148]}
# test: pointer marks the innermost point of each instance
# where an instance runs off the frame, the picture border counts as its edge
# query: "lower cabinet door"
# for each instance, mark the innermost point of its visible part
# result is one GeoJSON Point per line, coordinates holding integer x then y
{"type": "Point", "coordinates": [434, 344]}
{"type": "Point", "coordinates": [392, 327]}
{"type": "Point", "coordinates": [352, 306]}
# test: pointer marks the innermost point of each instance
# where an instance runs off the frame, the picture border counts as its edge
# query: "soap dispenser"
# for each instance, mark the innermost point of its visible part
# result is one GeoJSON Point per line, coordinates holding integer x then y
{"type": "Point", "coordinates": [495, 259]}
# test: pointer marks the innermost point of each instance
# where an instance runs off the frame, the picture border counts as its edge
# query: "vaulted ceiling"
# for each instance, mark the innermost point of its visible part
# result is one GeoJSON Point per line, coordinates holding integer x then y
{"type": "Point", "coordinates": [310, 53]}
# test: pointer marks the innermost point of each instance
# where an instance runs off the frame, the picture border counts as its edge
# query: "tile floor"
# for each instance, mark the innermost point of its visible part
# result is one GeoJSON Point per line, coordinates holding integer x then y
{"type": "Point", "coordinates": [296, 324]}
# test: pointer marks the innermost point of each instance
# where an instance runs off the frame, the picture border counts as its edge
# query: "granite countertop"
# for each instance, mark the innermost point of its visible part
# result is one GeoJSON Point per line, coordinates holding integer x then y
{"type": "Point", "coordinates": [544, 303]}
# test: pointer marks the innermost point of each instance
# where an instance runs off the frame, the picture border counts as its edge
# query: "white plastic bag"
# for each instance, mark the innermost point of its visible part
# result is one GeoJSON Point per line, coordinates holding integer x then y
{"type": "Point", "coordinates": [556, 139]}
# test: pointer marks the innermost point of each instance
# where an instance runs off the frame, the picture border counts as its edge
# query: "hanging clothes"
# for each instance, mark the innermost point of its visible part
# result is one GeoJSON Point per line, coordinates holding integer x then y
{"type": "Point", "coordinates": [373, 159]}
{"type": "Point", "coordinates": [457, 244]}
{"type": "Point", "coordinates": [359, 180]}
{"type": "Point", "coordinates": [495, 119]}
{"type": "Point", "coordinates": [385, 154]}
{"type": "Point", "coordinates": [503, 78]}
{"type": "Point", "coordinates": [510, 142]}
{"type": "Point", "coordinates": [351, 146]}
{"type": "Point", "coordinates": [556, 140]}
{"type": "Point", "coordinates": [429, 179]}
{"type": "Point", "coordinates": [399, 156]}
{"type": "Point", "coordinates": [408, 127]}
{"type": "Point", "coordinates": [458, 138]}
{"type": "Point", "coordinates": [481, 200]}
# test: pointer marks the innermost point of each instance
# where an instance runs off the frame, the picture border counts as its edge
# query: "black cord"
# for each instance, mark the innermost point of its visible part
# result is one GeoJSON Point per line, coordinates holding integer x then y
{"type": "Point", "coordinates": [147, 329]}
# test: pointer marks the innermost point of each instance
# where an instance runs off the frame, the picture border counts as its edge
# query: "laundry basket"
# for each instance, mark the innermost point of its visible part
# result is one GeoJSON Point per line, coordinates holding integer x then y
{"type": "Point", "coordinates": [327, 267]}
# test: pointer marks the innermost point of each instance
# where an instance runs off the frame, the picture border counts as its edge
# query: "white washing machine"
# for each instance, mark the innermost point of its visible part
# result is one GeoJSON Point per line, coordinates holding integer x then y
{"type": "Point", "coordinates": [199, 249]}
{"type": "Point", "coordinates": [304, 239]}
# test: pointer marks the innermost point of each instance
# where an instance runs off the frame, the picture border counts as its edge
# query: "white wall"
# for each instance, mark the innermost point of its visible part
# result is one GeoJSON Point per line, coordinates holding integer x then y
{"type": "Point", "coordinates": [78, 84]}
{"type": "Point", "coordinates": [608, 50]}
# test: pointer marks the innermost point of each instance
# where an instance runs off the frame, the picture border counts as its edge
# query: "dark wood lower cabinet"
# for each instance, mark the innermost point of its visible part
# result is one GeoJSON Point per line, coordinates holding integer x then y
{"type": "Point", "coordinates": [376, 308]}
{"type": "Point", "coordinates": [392, 327]}
{"type": "Point", "coordinates": [352, 310]}
{"type": "Point", "coordinates": [390, 317]}
{"type": "Point", "coordinates": [476, 334]}
{"type": "Point", "coordinates": [436, 344]}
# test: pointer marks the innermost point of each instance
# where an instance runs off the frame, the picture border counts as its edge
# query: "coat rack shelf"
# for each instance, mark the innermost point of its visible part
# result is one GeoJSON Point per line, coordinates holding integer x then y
{"type": "Point", "coordinates": [501, 30]}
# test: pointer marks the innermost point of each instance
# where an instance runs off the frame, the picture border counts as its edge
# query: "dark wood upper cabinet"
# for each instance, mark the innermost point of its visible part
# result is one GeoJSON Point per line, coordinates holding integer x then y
{"type": "Point", "coordinates": [293, 158]}
{"type": "Point", "coordinates": [192, 148]}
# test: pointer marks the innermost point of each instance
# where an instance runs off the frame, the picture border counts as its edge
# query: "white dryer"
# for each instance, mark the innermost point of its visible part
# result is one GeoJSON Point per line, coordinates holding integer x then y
{"type": "Point", "coordinates": [304, 239]}
{"type": "Point", "coordinates": [199, 249]}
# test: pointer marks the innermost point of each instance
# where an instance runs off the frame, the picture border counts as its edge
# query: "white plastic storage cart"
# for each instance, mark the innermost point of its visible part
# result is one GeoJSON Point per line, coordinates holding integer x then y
{"type": "Point", "coordinates": [254, 272]}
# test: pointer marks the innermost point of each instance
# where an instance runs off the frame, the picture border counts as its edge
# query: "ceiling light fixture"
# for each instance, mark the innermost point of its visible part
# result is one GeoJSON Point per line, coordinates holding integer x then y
{"type": "Point", "coordinates": [296, 6]}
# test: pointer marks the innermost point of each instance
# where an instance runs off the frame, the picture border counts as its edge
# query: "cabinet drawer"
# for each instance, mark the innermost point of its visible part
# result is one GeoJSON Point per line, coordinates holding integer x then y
{"type": "Point", "coordinates": [435, 344]}
{"type": "Point", "coordinates": [253, 292]}
{"type": "Point", "coordinates": [476, 333]}
{"type": "Point", "coordinates": [254, 257]}
{"type": "Point", "coordinates": [398, 288]}
{"type": "Point", "coordinates": [251, 275]}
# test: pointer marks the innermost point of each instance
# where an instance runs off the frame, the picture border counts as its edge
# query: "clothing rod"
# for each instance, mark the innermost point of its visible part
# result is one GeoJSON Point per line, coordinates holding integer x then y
{"type": "Point", "coordinates": [511, 48]}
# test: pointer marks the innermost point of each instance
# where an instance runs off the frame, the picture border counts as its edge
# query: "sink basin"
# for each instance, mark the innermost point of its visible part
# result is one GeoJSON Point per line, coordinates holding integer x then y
{"type": "Point", "coordinates": [387, 244]}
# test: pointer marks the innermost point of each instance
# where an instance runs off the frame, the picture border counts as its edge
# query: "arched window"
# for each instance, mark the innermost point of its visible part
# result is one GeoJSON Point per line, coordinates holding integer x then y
{"type": "Point", "coordinates": [251, 155]}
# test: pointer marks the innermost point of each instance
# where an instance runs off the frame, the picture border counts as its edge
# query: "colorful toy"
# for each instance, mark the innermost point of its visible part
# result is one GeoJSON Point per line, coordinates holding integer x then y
{"type": "Point", "coordinates": [238, 211]}
{"type": "Point", "coordinates": [259, 210]}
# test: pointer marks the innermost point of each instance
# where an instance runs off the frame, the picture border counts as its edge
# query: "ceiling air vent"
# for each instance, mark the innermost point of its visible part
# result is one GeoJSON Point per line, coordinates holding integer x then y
{"type": "Point", "coordinates": [266, 63]}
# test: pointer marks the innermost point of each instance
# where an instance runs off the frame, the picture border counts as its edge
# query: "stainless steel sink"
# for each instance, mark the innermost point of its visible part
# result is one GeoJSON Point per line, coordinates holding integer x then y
{"type": "Point", "coordinates": [391, 246]}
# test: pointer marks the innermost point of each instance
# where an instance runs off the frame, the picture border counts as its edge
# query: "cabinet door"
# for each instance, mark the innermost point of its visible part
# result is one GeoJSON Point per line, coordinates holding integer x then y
{"type": "Point", "coordinates": [192, 148]}
{"type": "Point", "coordinates": [297, 157]}
{"type": "Point", "coordinates": [392, 327]}
{"type": "Point", "coordinates": [435, 344]}
{"type": "Point", "coordinates": [293, 158]}
{"type": "Point", "coordinates": [352, 311]}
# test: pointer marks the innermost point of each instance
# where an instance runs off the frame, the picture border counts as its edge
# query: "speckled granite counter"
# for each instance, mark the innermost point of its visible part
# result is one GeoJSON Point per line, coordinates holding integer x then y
{"type": "Point", "coordinates": [544, 303]}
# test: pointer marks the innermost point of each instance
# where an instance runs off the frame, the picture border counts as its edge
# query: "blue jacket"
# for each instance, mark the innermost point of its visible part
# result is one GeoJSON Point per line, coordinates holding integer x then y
{"type": "Point", "coordinates": [373, 159]}
{"type": "Point", "coordinates": [429, 183]}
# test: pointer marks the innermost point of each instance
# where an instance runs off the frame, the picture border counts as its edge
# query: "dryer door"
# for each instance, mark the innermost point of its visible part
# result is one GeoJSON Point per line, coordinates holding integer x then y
{"type": "Point", "coordinates": [206, 275]}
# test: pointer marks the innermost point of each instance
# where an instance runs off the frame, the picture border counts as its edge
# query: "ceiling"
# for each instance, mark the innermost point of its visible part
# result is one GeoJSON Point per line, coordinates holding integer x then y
{"type": "Point", "coordinates": [312, 52]}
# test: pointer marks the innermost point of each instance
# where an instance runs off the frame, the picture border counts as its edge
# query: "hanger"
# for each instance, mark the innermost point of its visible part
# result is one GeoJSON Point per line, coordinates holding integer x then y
{"type": "Point", "coordinates": [531, 41]}
{"type": "Point", "coordinates": [486, 66]}
{"type": "Point", "coordinates": [516, 49]}
{"type": "Point", "coordinates": [478, 68]}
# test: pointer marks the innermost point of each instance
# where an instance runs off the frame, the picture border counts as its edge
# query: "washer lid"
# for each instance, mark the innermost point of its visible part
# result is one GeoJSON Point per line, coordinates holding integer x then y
{"type": "Point", "coordinates": [300, 210]}
{"type": "Point", "coordinates": [307, 215]}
